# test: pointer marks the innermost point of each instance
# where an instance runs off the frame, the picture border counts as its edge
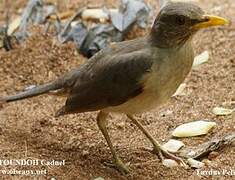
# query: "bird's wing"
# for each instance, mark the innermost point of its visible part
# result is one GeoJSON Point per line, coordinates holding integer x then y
{"type": "Point", "coordinates": [109, 81]}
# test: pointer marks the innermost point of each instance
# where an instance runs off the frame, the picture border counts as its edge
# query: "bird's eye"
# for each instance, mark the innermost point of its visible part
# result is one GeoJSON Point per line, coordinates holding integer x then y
{"type": "Point", "coordinates": [180, 20]}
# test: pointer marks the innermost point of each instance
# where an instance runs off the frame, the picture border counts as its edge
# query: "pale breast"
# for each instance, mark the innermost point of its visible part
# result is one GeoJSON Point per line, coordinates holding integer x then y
{"type": "Point", "coordinates": [161, 83]}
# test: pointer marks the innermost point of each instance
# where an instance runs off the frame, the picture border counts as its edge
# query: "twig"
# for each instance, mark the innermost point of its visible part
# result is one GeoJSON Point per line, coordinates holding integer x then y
{"type": "Point", "coordinates": [213, 145]}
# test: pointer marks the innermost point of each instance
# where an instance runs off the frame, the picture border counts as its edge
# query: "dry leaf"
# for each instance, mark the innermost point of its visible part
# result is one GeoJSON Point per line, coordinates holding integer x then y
{"type": "Point", "coordinates": [195, 128]}
{"type": "Point", "coordinates": [219, 111]}
{"type": "Point", "coordinates": [200, 59]}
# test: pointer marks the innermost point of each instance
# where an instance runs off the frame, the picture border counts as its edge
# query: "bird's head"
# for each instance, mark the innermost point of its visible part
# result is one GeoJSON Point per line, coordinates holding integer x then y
{"type": "Point", "coordinates": [177, 22]}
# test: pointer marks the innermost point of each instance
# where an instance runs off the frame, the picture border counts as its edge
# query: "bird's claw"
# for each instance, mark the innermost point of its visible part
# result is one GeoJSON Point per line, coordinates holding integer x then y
{"type": "Point", "coordinates": [119, 165]}
{"type": "Point", "coordinates": [164, 153]}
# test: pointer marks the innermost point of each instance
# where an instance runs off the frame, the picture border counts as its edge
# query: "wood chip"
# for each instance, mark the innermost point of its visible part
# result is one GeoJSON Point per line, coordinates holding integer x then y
{"type": "Point", "coordinates": [214, 145]}
{"type": "Point", "coordinates": [97, 14]}
{"type": "Point", "coordinates": [200, 59]}
{"type": "Point", "coordinates": [180, 90]}
{"type": "Point", "coordinates": [195, 128]}
{"type": "Point", "coordinates": [173, 145]}
{"type": "Point", "coordinates": [99, 178]}
{"type": "Point", "coordinates": [195, 164]}
{"type": "Point", "coordinates": [13, 26]}
{"type": "Point", "coordinates": [63, 15]}
{"type": "Point", "coordinates": [169, 163]}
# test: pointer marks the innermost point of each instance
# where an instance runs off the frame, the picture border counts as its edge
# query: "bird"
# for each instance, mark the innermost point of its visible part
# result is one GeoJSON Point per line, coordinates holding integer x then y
{"type": "Point", "coordinates": [133, 76]}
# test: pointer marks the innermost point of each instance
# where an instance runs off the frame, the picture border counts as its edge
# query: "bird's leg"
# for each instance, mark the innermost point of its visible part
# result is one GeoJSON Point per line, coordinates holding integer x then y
{"type": "Point", "coordinates": [156, 146]}
{"type": "Point", "coordinates": [102, 124]}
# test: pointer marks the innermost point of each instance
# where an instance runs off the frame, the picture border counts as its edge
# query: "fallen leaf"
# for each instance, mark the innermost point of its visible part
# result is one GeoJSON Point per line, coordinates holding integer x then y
{"type": "Point", "coordinates": [200, 59]}
{"type": "Point", "coordinates": [219, 111]}
{"type": "Point", "coordinates": [195, 128]}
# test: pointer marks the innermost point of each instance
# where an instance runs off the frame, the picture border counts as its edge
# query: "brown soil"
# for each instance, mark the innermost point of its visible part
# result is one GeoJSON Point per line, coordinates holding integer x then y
{"type": "Point", "coordinates": [29, 130]}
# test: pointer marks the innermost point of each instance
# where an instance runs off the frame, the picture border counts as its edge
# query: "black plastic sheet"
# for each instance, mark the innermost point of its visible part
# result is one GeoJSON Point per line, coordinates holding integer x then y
{"type": "Point", "coordinates": [89, 40]}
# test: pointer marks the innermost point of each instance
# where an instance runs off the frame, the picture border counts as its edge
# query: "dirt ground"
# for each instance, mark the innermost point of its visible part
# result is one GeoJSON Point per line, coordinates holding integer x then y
{"type": "Point", "coordinates": [28, 128]}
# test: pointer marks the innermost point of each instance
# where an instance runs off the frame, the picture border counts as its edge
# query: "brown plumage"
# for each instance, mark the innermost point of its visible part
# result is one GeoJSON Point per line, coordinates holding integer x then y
{"type": "Point", "coordinates": [134, 76]}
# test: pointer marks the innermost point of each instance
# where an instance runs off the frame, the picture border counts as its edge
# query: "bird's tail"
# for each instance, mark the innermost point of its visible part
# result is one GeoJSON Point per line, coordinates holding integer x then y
{"type": "Point", "coordinates": [41, 89]}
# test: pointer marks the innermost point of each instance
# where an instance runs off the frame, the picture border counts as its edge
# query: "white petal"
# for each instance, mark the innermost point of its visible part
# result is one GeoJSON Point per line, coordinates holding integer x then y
{"type": "Point", "coordinates": [97, 14]}
{"type": "Point", "coordinates": [173, 145]}
{"type": "Point", "coordinates": [219, 111]}
{"type": "Point", "coordinates": [195, 164]}
{"type": "Point", "coordinates": [180, 90]}
{"type": "Point", "coordinates": [99, 178]}
{"type": "Point", "coordinates": [201, 58]}
{"type": "Point", "coordinates": [13, 26]}
{"type": "Point", "coordinates": [169, 163]}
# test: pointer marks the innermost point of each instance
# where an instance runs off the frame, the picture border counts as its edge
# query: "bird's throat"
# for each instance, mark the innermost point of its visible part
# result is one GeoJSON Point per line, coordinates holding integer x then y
{"type": "Point", "coordinates": [162, 39]}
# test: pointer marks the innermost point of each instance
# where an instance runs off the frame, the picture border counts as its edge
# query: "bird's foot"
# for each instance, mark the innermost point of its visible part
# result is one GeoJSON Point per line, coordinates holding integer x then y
{"type": "Point", "coordinates": [119, 165]}
{"type": "Point", "coordinates": [161, 152]}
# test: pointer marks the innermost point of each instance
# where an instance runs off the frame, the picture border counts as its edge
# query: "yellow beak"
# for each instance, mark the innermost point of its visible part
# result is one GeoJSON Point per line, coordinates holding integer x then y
{"type": "Point", "coordinates": [211, 20]}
